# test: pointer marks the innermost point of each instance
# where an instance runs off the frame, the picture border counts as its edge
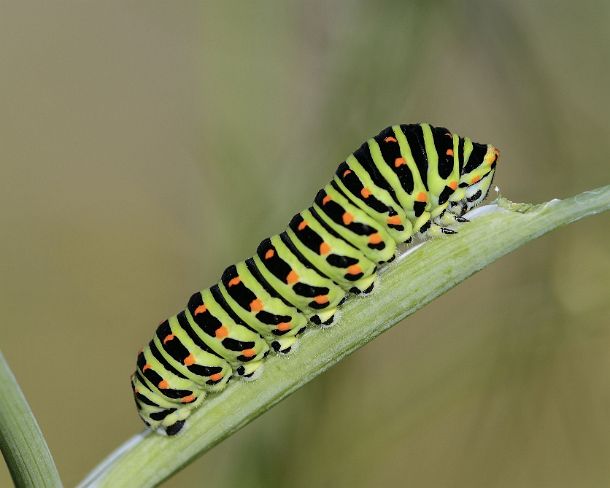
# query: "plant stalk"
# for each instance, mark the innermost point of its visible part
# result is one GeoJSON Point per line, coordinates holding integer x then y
{"type": "Point", "coordinates": [414, 279]}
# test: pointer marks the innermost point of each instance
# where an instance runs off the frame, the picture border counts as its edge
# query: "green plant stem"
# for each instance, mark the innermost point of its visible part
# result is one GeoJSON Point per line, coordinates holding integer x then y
{"type": "Point", "coordinates": [21, 441]}
{"type": "Point", "coordinates": [414, 279]}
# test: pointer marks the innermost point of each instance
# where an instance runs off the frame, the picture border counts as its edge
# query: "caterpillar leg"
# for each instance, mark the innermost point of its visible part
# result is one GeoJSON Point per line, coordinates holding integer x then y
{"type": "Point", "coordinates": [457, 208]}
{"type": "Point", "coordinates": [435, 230]}
{"type": "Point", "coordinates": [174, 428]}
{"type": "Point", "coordinates": [175, 421]}
{"type": "Point", "coordinates": [364, 286]}
{"type": "Point", "coordinates": [250, 371]}
{"type": "Point", "coordinates": [284, 345]}
{"type": "Point", "coordinates": [442, 225]}
{"type": "Point", "coordinates": [324, 317]}
{"type": "Point", "coordinates": [448, 219]}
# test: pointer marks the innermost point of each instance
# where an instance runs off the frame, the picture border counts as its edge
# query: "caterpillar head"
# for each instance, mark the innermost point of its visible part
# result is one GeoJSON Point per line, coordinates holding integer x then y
{"type": "Point", "coordinates": [476, 176]}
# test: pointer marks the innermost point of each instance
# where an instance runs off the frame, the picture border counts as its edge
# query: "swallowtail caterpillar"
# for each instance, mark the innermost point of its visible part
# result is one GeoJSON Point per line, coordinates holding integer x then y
{"type": "Point", "coordinates": [408, 180]}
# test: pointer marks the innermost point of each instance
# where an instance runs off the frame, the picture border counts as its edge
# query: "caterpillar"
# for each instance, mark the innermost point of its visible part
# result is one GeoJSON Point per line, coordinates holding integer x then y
{"type": "Point", "coordinates": [408, 180]}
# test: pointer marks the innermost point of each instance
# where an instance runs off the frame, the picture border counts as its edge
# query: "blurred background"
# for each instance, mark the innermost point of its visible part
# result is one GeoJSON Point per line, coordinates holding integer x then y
{"type": "Point", "coordinates": [147, 145]}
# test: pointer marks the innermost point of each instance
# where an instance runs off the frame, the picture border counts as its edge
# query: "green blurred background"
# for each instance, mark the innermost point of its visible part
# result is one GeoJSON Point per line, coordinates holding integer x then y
{"type": "Point", "coordinates": [147, 145]}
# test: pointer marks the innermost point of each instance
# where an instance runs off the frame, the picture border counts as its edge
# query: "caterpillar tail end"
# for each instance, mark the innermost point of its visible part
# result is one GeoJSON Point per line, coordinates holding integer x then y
{"type": "Point", "coordinates": [159, 414]}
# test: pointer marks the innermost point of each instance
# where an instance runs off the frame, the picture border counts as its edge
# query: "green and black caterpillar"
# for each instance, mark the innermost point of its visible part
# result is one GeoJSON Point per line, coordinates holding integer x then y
{"type": "Point", "coordinates": [407, 180]}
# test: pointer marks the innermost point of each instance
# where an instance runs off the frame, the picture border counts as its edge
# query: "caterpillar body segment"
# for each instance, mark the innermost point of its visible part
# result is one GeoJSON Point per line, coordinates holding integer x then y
{"type": "Point", "coordinates": [355, 225]}
{"type": "Point", "coordinates": [345, 264]}
{"type": "Point", "coordinates": [298, 282]}
{"type": "Point", "coordinates": [271, 317]}
{"type": "Point", "coordinates": [407, 180]}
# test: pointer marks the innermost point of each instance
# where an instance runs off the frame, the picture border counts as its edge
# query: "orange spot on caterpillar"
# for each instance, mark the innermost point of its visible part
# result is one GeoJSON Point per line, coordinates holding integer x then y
{"type": "Point", "coordinates": [399, 162]}
{"type": "Point", "coordinates": [375, 238]}
{"type": "Point", "coordinates": [321, 299]}
{"type": "Point", "coordinates": [163, 385]}
{"type": "Point", "coordinates": [324, 248]}
{"type": "Point", "coordinates": [256, 305]}
{"type": "Point", "coordinates": [421, 197]}
{"type": "Point", "coordinates": [347, 172]}
{"type": "Point", "coordinates": [475, 179]}
{"type": "Point", "coordinates": [365, 192]}
{"type": "Point", "coordinates": [348, 218]}
{"type": "Point", "coordinates": [449, 152]}
{"type": "Point", "coordinates": [292, 277]}
{"type": "Point", "coordinates": [216, 376]}
{"type": "Point", "coordinates": [269, 254]}
{"type": "Point", "coordinates": [394, 220]}
{"type": "Point", "coordinates": [248, 353]}
{"type": "Point", "coordinates": [201, 309]}
{"type": "Point", "coordinates": [326, 199]}
{"type": "Point", "coordinates": [453, 184]}
{"type": "Point", "coordinates": [146, 366]}
{"type": "Point", "coordinates": [221, 332]}
{"type": "Point", "coordinates": [190, 359]}
{"type": "Point", "coordinates": [168, 338]}
{"type": "Point", "coordinates": [235, 281]}
{"type": "Point", "coordinates": [389, 139]}
{"type": "Point", "coordinates": [187, 399]}
{"type": "Point", "coordinates": [282, 326]}
{"type": "Point", "coordinates": [354, 269]}
{"type": "Point", "coordinates": [302, 225]}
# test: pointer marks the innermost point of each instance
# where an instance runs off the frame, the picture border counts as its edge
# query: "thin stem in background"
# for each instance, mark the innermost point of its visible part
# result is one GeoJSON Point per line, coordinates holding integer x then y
{"type": "Point", "coordinates": [23, 446]}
